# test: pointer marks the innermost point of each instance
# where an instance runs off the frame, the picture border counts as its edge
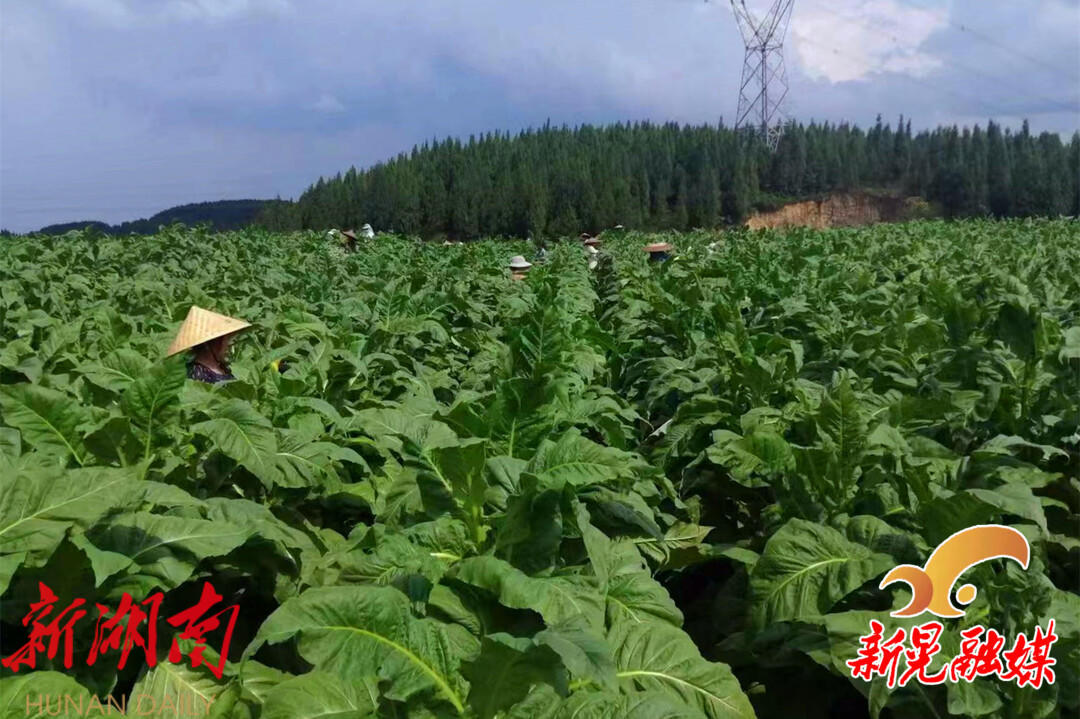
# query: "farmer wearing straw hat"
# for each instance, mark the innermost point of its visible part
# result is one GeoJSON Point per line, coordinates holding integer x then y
{"type": "Point", "coordinates": [349, 240]}
{"type": "Point", "coordinates": [207, 335]}
{"type": "Point", "coordinates": [591, 250]}
{"type": "Point", "coordinates": [518, 267]}
{"type": "Point", "coordinates": [659, 251]}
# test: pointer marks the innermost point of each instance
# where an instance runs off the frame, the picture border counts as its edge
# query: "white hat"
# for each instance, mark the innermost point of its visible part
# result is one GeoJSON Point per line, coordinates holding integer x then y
{"type": "Point", "coordinates": [518, 262]}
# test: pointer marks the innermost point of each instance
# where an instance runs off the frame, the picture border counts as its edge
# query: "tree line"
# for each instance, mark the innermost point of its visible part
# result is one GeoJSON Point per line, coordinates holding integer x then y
{"type": "Point", "coordinates": [555, 181]}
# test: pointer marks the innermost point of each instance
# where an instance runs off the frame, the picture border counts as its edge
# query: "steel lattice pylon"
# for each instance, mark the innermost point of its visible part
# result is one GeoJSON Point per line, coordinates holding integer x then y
{"type": "Point", "coordinates": [764, 81]}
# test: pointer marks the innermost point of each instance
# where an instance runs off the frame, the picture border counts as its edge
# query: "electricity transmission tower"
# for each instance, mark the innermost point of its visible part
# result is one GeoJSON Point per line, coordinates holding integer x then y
{"type": "Point", "coordinates": [764, 81]}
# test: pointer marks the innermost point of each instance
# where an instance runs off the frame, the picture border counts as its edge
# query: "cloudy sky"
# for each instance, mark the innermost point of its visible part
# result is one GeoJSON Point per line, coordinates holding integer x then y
{"type": "Point", "coordinates": [116, 109]}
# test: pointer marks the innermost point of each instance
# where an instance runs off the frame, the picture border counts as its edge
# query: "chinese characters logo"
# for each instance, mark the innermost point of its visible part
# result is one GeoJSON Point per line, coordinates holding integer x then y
{"type": "Point", "coordinates": [119, 630]}
{"type": "Point", "coordinates": [982, 650]}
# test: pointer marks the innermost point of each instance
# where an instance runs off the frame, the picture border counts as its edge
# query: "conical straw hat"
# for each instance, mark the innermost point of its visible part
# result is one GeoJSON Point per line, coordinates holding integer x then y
{"type": "Point", "coordinates": [202, 326]}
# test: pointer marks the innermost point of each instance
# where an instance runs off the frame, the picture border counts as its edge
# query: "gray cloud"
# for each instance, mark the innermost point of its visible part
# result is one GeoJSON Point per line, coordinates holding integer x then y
{"type": "Point", "coordinates": [113, 109]}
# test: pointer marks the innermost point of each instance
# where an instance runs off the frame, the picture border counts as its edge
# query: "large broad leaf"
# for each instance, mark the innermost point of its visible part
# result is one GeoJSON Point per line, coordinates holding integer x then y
{"type": "Point", "coordinates": [1014, 498]}
{"type": "Point", "coordinates": [170, 689]}
{"type": "Point", "coordinates": [530, 532]}
{"type": "Point", "coordinates": [48, 419]}
{"type": "Point", "coordinates": [38, 508]}
{"type": "Point", "coordinates": [807, 568]}
{"type": "Point", "coordinates": [506, 670]}
{"type": "Point", "coordinates": [42, 694]}
{"type": "Point", "coordinates": [657, 657]}
{"type": "Point", "coordinates": [843, 632]}
{"type": "Point", "coordinates": [681, 545]}
{"type": "Point", "coordinates": [156, 550]}
{"type": "Point", "coordinates": [556, 599]}
{"type": "Point", "coordinates": [761, 452]}
{"type": "Point", "coordinates": [630, 591]}
{"type": "Point", "coordinates": [246, 436]}
{"type": "Point", "coordinates": [389, 426]}
{"type": "Point", "coordinates": [243, 434]}
{"type": "Point", "coordinates": [576, 461]}
{"type": "Point", "coordinates": [259, 521]}
{"type": "Point", "coordinates": [321, 695]}
{"type": "Point", "coordinates": [370, 631]}
{"type": "Point", "coordinates": [639, 705]}
{"type": "Point", "coordinates": [117, 370]}
{"type": "Point", "coordinates": [10, 448]}
{"type": "Point", "coordinates": [152, 399]}
{"type": "Point", "coordinates": [586, 654]}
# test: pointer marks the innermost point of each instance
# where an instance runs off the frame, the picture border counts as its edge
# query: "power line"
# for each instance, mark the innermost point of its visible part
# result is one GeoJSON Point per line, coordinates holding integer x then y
{"type": "Point", "coordinates": [1016, 89]}
{"type": "Point", "coordinates": [1071, 76]}
{"type": "Point", "coordinates": [936, 88]}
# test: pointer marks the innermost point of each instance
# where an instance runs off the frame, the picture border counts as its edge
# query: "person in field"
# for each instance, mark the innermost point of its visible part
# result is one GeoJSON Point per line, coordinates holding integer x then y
{"type": "Point", "coordinates": [541, 251]}
{"type": "Point", "coordinates": [659, 252]}
{"type": "Point", "coordinates": [519, 266]}
{"type": "Point", "coordinates": [207, 336]}
{"type": "Point", "coordinates": [592, 250]}
{"type": "Point", "coordinates": [366, 232]}
{"type": "Point", "coordinates": [348, 239]}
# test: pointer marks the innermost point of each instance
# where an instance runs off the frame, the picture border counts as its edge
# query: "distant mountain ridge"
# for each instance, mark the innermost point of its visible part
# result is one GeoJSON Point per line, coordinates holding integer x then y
{"type": "Point", "coordinates": [222, 215]}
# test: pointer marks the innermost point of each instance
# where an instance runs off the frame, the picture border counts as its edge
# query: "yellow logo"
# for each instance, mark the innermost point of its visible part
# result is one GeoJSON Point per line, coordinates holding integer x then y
{"type": "Point", "coordinates": [931, 585]}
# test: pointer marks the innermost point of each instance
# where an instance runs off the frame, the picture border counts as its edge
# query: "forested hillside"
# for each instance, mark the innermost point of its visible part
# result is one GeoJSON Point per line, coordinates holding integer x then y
{"type": "Point", "coordinates": [222, 215]}
{"type": "Point", "coordinates": [556, 181]}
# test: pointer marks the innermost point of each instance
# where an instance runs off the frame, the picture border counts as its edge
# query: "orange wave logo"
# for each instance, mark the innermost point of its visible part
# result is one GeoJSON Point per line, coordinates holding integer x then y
{"type": "Point", "coordinates": [931, 585]}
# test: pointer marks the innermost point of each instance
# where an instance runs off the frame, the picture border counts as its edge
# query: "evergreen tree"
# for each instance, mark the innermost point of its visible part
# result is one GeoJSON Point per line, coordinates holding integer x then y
{"type": "Point", "coordinates": [562, 181]}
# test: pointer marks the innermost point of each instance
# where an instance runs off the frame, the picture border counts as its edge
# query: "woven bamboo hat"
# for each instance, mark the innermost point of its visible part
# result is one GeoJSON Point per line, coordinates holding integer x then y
{"type": "Point", "coordinates": [518, 262]}
{"type": "Point", "coordinates": [349, 233]}
{"type": "Point", "coordinates": [659, 247]}
{"type": "Point", "coordinates": [590, 241]}
{"type": "Point", "coordinates": [202, 326]}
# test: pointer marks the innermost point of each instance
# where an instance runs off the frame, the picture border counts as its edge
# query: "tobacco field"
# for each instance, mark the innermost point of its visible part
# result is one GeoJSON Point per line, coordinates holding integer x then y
{"type": "Point", "coordinates": [647, 491]}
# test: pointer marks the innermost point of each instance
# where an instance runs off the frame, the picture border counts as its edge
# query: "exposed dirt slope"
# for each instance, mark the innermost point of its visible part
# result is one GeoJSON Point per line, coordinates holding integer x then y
{"type": "Point", "coordinates": [842, 210]}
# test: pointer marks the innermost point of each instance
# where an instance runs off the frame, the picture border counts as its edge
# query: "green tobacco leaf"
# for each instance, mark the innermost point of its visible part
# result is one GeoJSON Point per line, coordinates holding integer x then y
{"type": "Point", "coordinates": [1015, 499]}
{"type": "Point", "coordinates": [38, 508]}
{"type": "Point", "coordinates": [576, 461]}
{"type": "Point", "coordinates": [117, 370]}
{"type": "Point", "coordinates": [29, 695]}
{"type": "Point", "coordinates": [370, 631]}
{"type": "Point", "coordinates": [152, 399]}
{"type": "Point", "coordinates": [321, 695]}
{"type": "Point", "coordinates": [556, 599]}
{"type": "Point", "coordinates": [761, 452]}
{"type": "Point", "coordinates": [945, 515]}
{"type": "Point", "coordinates": [10, 448]}
{"type": "Point", "coordinates": [656, 657]}
{"type": "Point", "coordinates": [681, 546]}
{"type": "Point", "coordinates": [585, 653]}
{"type": "Point", "coordinates": [639, 705]}
{"type": "Point", "coordinates": [505, 671]}
{"type": "Point", "coordinates": [170, 689]}
{"type": "Point", "coordinates": [807, 568]}
{"type": "Point", "coordinates": [9, 564]}
{"type": "Point", "coordinates": [530, 533]}
{"type": "Point", "coordinates": [246, 436]}
{"type": "Point", "coordinates": [47, 419]}
{"type": "Point", "coordinates": [842, 428]}
{"type": "Point", "coordinates": [161, 551]}
{"type": "Point", "coordinates": [389, 426]}
{"type": "Point", "coordinates": [630, 591]}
